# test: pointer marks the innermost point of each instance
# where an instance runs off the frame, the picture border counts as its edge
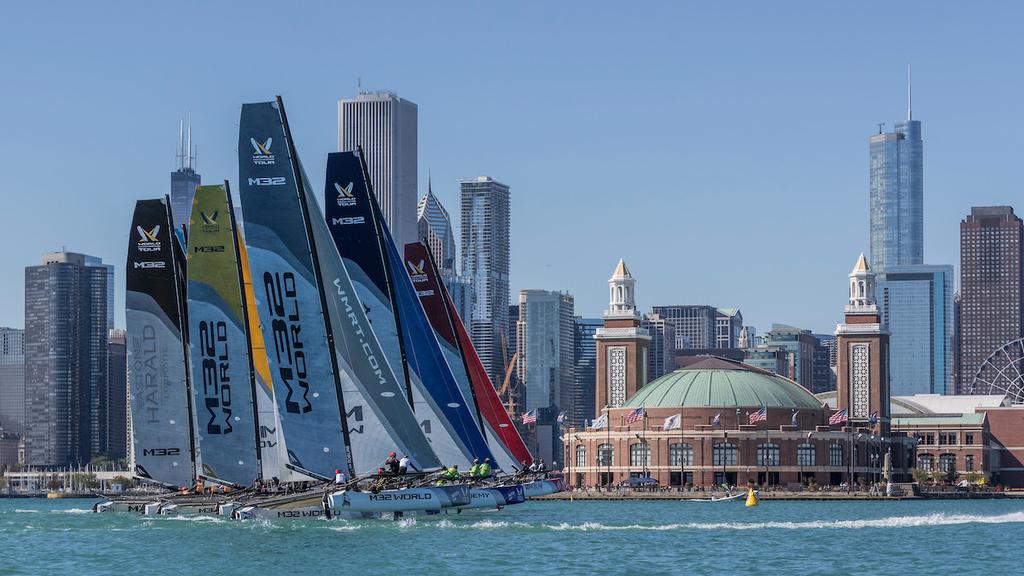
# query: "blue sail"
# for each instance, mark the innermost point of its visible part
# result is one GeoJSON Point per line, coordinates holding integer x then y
{"type": "Point", "coordinates": [424, 355]}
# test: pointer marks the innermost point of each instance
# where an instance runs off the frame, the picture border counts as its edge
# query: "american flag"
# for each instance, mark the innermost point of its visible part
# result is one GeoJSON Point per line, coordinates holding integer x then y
{"type": "Point", "coordinates": [636, 415]}
{"type": "Point", "coordinates": [839, 417]}
{"type": "Point", "coordinates": [759, 416]}
{"type": "Point", "coordinates": [561, 417]}
{"type": "Point", "coordinates": [530, 417]}
{"type": "Point", "coordinates": [717, 420]}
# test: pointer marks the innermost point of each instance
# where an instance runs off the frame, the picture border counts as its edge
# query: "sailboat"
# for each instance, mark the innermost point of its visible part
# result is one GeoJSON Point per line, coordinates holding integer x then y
{"type": "Point", "coordinates": [305, 281]}
{"type": "Point", "coordinates": [160, 395]}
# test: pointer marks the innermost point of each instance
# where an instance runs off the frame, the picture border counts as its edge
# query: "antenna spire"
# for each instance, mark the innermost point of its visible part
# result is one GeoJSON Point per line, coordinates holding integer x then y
{"type": "Point", "coordinates": [910, 93]}
{"type": "Point", "coordinates": [188, 156]}
{"type": "Point", "coordinates": [181, 144]}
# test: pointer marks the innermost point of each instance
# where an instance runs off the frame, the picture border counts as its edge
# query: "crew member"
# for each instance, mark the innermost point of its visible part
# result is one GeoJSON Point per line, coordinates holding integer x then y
{"type": "Point", "coordinates": [474, 470]}
{"type": "Point", "coordinates": [403, 465]}
{"type": "Point", "coordinates": [452, 473]}
{"type": "Point", "coordinates": [391, 464]}
{"type": "Point", "coordinates": [485, 468]}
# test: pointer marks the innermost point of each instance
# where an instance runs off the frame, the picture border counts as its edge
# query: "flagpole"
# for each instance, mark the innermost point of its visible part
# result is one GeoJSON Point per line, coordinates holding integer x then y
{"type": "Point", "coordinates": [608, 428]}
{"type": "Point", "coordinates": [682, 452]}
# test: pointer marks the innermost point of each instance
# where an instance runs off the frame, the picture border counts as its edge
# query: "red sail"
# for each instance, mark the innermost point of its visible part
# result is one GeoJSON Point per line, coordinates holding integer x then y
{"type": "Point", "coordinates": [487, 397]}
{"type": "Point", "coordinates": [437, 304]}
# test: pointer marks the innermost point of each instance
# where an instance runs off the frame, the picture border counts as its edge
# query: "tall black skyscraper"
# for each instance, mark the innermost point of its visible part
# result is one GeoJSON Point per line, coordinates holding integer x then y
{"type": "Point", "coordinates": [117, 395]}
{"type": "Point", "coordinates": [65, 361]}
{"type": "Point", "coordinates": [183, 180]}
{"type": "Point", "coordinates": [991, 274]}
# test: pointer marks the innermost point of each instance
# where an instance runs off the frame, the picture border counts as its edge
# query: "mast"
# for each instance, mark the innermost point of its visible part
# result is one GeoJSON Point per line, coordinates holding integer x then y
{"type": "Point", "coordinates": [245, 328]}
{"type": "Point", "coordinates": [301, 190]}
{"type": "Point", "coordinates": [177, 265]}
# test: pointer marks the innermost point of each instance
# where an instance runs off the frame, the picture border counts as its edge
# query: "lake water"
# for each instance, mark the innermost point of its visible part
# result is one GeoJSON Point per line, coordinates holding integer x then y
{"type": "Point", "coordinates": [536, 538]}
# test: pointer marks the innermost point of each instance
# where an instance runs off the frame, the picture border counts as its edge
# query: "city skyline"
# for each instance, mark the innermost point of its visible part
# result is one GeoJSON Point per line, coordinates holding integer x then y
{"type": "Point", "coordinates": [526, 137]}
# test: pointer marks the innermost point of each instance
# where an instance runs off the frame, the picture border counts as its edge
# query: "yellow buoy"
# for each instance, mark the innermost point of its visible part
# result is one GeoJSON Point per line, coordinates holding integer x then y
{"type": "Point", "coordinates": [751, 498]}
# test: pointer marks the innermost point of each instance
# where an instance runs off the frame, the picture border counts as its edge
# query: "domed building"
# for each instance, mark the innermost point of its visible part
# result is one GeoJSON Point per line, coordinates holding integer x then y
{"type": "Point", "coordinates": [702, 425]}
{"type": "Point", "coordinates": [721, 421]}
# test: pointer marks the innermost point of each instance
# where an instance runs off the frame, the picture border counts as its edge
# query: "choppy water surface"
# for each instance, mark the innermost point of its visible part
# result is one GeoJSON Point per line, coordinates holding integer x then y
{"type": "Point", "coordinates": [64, 537]}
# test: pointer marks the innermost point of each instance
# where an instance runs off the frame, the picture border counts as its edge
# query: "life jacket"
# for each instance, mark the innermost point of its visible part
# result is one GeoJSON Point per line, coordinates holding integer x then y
{"type": "Point", "coordinates": [475, 470]}
{"type": "Point", "coordinates": [452, 472]}
{"type": "Point", "coordinates": [485, 470]}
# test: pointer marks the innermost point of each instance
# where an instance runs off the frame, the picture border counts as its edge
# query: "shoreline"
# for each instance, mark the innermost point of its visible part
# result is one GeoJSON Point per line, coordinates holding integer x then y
{"type": "Point", "coordinates": [826, 496]}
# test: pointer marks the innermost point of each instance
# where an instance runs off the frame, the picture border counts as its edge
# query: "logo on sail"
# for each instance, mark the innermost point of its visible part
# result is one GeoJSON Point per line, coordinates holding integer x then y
{"type": "Point", "coordinates": [416, 271]}
{"type": "Point", "coordinates": [261, 155]}
{"type": "Point", "coordinates": [148, 241]}
{"type": "Point", "coordinates": [345, 197]}
{"type": "Point", "coordinates": [210, 221]}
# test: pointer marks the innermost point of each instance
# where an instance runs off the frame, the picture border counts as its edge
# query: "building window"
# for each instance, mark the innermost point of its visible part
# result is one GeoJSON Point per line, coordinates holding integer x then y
{"type": "Point", "coordinates": [616, 375]}
{"type": "Point", "coordinates": [724, 454]}
{"type": "Point", "coordinates": [680, 455]}
{"type": "Point", "coordinates": [640, 454]}
{"type": "Point", "coordinates": [606, 455]}
{"type": "Point", "coordinates": [968, 437]}
{"type": "Point", "coordinates": [581, 455]}
{"type": "Point", "coordinates": [947, 463]}
{"type": "Point", "coordinates": [926, 462]}
{"type": "Point", "coordinates": [768, 454]}
{"type": "Point", "coordinates": [805, 455]}
{"type": "Point", "coordinates": [835, 455]}
{"type": "Point", "coordinates": [969, 462]}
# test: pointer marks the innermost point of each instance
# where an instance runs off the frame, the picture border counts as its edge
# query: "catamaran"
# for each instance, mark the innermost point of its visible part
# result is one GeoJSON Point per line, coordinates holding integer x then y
{"type": "Point", "coordinates": [362, 361]}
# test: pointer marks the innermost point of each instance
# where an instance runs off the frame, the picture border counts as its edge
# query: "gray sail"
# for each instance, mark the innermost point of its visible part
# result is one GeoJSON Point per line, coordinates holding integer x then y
{"type": "Point", "coordinates": [159, 395]}
{"type": "Point", "coordinates": [288, 296]}
{"type": "Point", "coordinates": [380, 419]}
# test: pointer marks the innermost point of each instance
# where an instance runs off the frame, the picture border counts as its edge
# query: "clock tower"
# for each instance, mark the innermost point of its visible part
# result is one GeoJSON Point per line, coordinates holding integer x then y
{"type": "Point", "coordinates": [622, 344]}
{"type": "Point", "coordinates": [862, 368]}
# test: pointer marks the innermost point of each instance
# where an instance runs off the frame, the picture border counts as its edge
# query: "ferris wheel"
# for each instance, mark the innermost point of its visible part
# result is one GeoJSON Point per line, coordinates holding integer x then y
{"type": "Point", "coordinates": [1002, 373]}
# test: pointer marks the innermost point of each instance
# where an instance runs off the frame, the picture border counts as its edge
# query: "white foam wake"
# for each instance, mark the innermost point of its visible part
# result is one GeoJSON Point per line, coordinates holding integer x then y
{"type": "Point", "coordinates": [937, 519]}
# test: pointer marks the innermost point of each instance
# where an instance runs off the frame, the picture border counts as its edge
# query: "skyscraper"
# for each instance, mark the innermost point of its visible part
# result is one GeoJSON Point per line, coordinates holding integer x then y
{"type": "Point", "coordinates": [485, 223]}
{"type": "Point", "coordinates": [696, 326]}
{"type": "Point", "coordinates": [897, 194]}
{"type": "Point", "coordinates": [546, 360]}
{"type": "Point", "coordinates": [728, 326]}
{"type": "Point", "coordinates": [385, 126]}
{"type": "Point", "coordinates": [661, 359]}
{"type": "Point", "coordinates": [117, 395]}
{"type": "Point", "coordinates": [916, 306]}
{"type": "Point", "coordinates": [65, 361]}
{"type": "Point", "coordinates": [98, 262]}
{"type": "Point", "coordinates": [991, 276]}
{"type": "Point", "coordinates": [12, 380]}
{"type": "Point", "coordinates": [434, 228]}
{"type": "Point", "coordinates": [583, 402]}
{"type": "Point", "coordinates": [183, 180]}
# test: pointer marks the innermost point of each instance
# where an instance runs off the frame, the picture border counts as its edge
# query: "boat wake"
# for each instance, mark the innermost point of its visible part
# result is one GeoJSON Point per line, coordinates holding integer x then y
{"type": "Point", "coordinates": [938, 519]}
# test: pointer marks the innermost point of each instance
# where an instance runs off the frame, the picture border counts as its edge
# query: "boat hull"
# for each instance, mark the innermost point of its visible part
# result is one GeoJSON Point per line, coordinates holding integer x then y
{"type": "Point", "coordinates": [543, 487]}
{"type": "Point", "coordinates": [123, 506]}
{"type": "Point", "coordinates": [404, 500]}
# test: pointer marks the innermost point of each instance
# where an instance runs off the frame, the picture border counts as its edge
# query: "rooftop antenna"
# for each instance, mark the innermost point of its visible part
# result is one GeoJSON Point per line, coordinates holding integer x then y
{"type": "Point", "coordinates": [188, 155]}
{"type": "Point", "coordinates": [910, 108]}
{"type": "Point", "coordinates": [181, 144]}
{"type": "Point", "coordinates": [881, 127]}
{"type": "Point", "coordinates": [430, 188]}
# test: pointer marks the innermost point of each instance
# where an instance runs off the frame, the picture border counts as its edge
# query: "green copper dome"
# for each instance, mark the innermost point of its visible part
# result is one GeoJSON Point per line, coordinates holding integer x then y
{"type": "Point", "coordinates": [717, 382]}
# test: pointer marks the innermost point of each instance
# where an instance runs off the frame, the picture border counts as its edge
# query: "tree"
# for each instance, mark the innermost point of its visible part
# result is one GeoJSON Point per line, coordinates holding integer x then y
{"type": "Point", "coordinates": [920, 476]}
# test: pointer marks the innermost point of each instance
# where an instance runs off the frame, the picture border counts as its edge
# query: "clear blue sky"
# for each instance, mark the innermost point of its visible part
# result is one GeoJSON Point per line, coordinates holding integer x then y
{"type": "Point", "coordinates": [722, 151]}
